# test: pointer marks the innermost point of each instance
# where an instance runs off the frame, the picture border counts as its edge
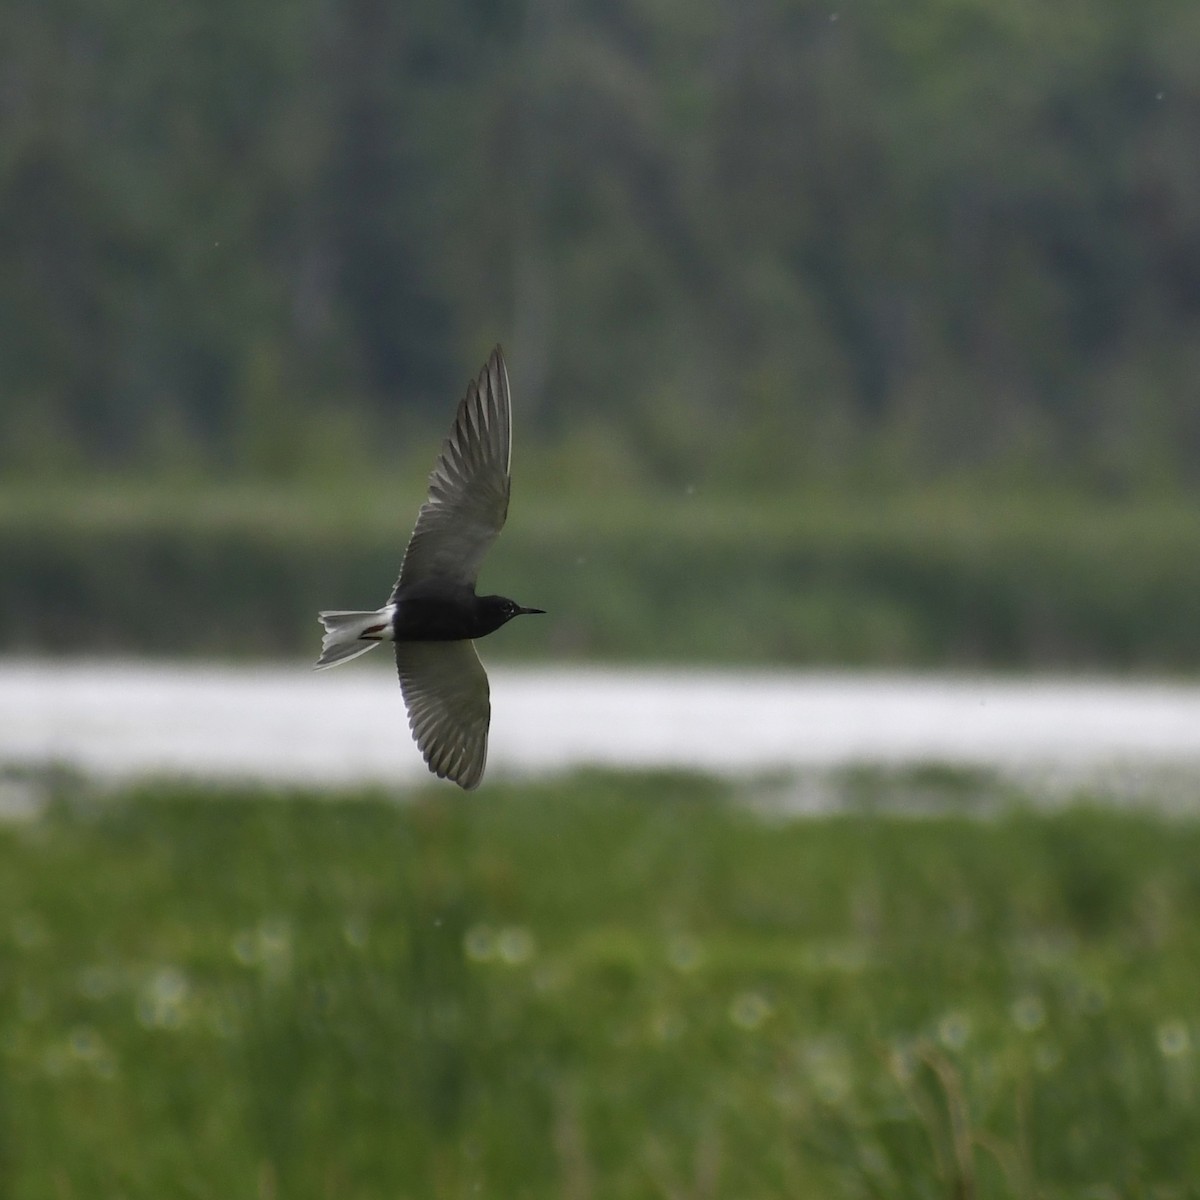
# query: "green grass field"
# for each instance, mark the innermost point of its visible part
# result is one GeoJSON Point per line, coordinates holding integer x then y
{"type": "Point", "coordinates": [602, 986]}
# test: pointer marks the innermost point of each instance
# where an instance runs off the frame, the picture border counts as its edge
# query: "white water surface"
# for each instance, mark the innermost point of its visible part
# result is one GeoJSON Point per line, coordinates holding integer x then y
{"type": "Point", "coordinates": [285, 724]}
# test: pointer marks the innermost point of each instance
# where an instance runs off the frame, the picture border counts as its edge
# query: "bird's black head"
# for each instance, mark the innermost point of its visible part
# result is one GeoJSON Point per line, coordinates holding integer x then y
{"type": "Point", "coordinates": [499, 610]}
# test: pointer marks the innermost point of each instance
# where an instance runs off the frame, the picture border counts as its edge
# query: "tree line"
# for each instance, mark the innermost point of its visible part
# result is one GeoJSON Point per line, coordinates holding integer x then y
{"type": "Point", "coordinates": [737, 240]}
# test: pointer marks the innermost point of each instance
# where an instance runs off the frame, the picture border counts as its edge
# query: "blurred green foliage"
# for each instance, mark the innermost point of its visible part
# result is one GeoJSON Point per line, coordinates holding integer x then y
{"type": "Point", "coordinates": [596, 986]}
{"type": "Point", "coordinates": [724, 240]}
{"type": "Point", "coordinates": [939, 579]}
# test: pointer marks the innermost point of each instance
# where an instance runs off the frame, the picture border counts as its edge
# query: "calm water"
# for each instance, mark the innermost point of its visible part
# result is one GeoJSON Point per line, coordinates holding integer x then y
{"type": "Point", "coordinates": [287, 724]}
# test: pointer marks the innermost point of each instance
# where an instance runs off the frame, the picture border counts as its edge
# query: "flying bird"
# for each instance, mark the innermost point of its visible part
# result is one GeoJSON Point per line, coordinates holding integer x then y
{"type": "Point", "coordinates": [433, 614]}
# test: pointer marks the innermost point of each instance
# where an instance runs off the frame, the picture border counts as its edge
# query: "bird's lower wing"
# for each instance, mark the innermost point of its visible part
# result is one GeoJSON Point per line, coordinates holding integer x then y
{"type": "Point", "coordinates": [449, 707]}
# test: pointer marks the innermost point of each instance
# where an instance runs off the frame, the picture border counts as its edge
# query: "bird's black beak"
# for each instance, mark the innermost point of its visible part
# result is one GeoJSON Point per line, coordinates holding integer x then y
{"type": "Point", "coordinates": [522, 612]}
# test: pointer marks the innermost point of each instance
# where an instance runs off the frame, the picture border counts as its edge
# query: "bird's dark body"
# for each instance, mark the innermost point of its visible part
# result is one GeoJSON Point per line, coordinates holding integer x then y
{"type": "Point", "coordinates": [437, 611]}
{"type": "Point", "coordinates": [433, 615]}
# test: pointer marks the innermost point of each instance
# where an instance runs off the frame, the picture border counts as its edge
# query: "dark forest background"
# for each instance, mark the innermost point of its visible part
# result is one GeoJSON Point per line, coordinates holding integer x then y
{"type": "Point", "coordinates": [750, 240]}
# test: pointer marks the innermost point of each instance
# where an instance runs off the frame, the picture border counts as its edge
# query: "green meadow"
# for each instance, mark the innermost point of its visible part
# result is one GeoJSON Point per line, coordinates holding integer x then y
{"type": "Point", "coordinates": [602, 985]}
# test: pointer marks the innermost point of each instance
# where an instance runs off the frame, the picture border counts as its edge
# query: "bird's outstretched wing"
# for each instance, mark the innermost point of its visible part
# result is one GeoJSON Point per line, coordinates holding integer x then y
{"type": "Point", "coordinates": [449, 708]}
{"type": "Point", "coordinates": [468, 487]}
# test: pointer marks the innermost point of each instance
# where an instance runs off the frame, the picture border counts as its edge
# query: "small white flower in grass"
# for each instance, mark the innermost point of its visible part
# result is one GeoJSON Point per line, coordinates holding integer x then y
{"type": "Point", "coordinates": [169, 986]}
{"type": "Point", "coordinates": [89, 1048]}
{"type": "Point", "coordinates": [668, 1026]}
{"type": "Point", "coordinates": [550, 978]}
{"type": "Point", "coordinates": [268, 946]}
{"type": "Point", "coordinates": [684, 952]}
{"type": "Point", "coordinates": [275, 945]}
{"type": "Point", "coordinates": [105, 1067]}
{"type": "Point", "coordinates": [876, 1161]}
{"type": "Point", "coordinates": [954, 1030]}
{"type": "Point", "coordinates": [479, 943]}
{"type": "Point", "coordinates": [1174, 1040]}
{"type": "Point", "coordinates": [163, 998]}
{"type": "Point", "coordinates": [85, 1043]}
{"type": "Point", "coordinates": [827, 1068]}
{"type": "Point", "coordinates": [1091, 997]}
{"type": "Point", "coordinates": [1028, 1013]}
{"type": "Point", "coordinates": [1047, 1057]}
{"type": "Point", "coordinates": [54, 1061]}
{"type": "Point", "coordinates": [354, 931]}
{"type": "Point", "coordinates": [244, 946]}
{"type": "Point", "coordinates": [82, 1050]}
{"type": "Point", "coordinates": [97, 982]}
{"type": "Point", "coordinates": [515, 945]}
{"type": "Point", "coordinates": [903, 1061]}
{"type": "Point", "coordinates": [749, 1010]}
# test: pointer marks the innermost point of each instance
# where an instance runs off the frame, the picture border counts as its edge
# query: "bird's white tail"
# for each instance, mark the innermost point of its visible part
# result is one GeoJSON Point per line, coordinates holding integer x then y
{"type": "Point", "coordinates": [349, 634]}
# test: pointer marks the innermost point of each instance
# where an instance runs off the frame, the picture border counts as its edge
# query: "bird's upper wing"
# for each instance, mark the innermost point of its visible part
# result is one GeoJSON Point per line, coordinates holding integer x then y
{"type": "Point", "coordinates": [468, 487]}
{"type": "Point", "coordinates": [446, 690]}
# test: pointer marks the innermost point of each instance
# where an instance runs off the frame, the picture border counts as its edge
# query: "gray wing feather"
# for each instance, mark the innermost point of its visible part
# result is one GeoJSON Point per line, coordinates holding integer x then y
{"type": "Point", "coordinates": [449, 707]}
{"type": "Point", "coordinates": [468, 487]}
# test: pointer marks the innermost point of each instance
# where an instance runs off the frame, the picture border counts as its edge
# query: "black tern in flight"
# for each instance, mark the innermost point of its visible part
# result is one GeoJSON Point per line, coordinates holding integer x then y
{"type": "Point", "coordinates": [433, 613]}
